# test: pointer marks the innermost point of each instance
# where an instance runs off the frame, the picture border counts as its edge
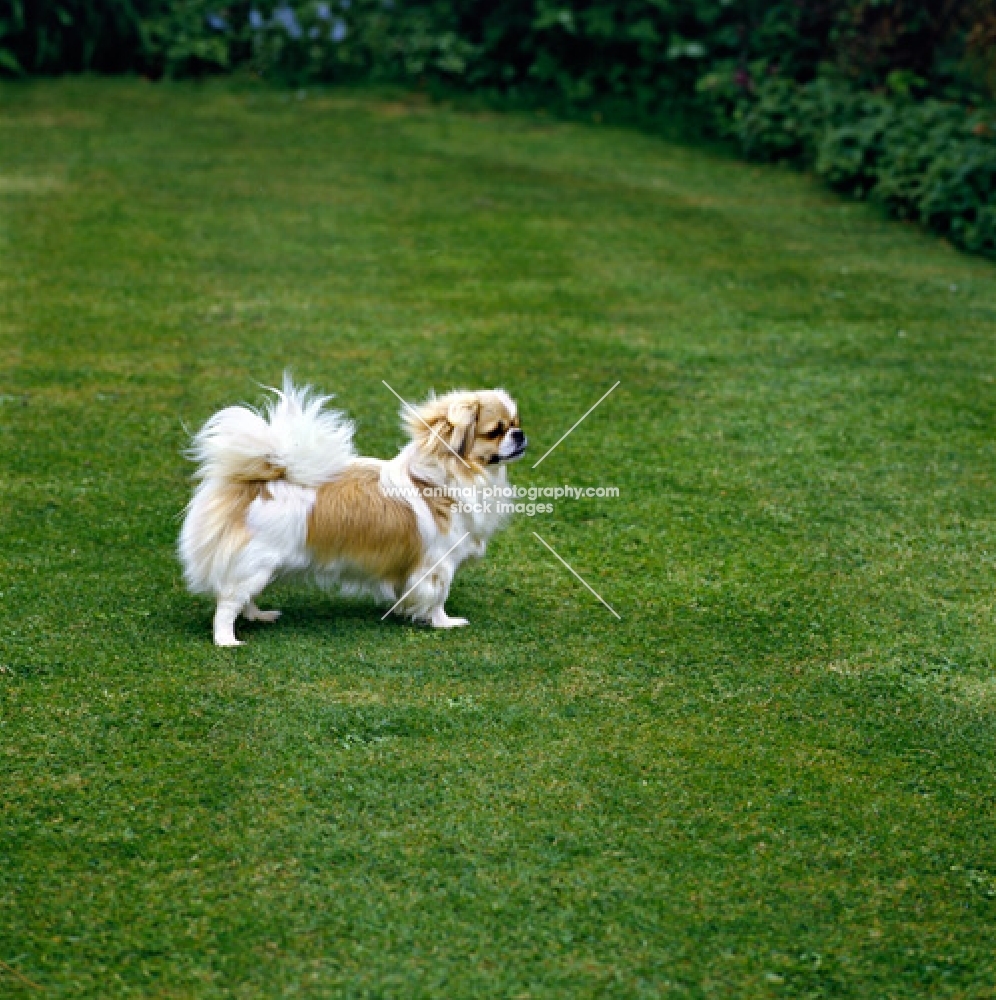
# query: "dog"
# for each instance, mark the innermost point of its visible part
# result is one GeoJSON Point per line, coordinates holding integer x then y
{"type": "Point", "coordinates": [281, 491]}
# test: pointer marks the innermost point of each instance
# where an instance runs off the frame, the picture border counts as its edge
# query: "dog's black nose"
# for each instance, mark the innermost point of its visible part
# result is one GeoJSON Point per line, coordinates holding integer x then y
{"type": "Point", "coordinates": [518, 437]}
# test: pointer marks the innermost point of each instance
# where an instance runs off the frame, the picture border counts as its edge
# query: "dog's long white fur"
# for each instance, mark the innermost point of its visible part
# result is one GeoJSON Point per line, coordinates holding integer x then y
{"type": "Point", "coordinates": [295, 432]}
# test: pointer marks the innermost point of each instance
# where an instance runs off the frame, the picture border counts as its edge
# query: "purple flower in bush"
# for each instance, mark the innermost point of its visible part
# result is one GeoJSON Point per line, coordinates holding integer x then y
{"type": "Point", "coordinates": [323, 11]}
{"type": "Point", "coordinates": [216, 22]}
{"type": "Point", "coordinates": [256, 21]}
{"type": "Point", "coordinates": [287, 19]}
{"type": "Point", "coordinates": [345, 4]}
{"type": "Point", "coordinates": [339, 30]}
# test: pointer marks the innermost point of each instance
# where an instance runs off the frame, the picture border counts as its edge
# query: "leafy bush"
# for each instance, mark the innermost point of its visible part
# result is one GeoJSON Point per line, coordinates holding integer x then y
{"type": "Point", "coordinates": [649, 51]}
{"type": "Point", "coordinates": [60, 36]}
{"type": "Point", "coordinates": [931, 161]}
{"type": "Point", "coordinates": [864, 91]}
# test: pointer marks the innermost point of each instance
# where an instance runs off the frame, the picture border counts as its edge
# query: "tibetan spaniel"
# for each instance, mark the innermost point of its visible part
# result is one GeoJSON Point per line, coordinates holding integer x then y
{"type": "Point", "coordinates": [281, 491]}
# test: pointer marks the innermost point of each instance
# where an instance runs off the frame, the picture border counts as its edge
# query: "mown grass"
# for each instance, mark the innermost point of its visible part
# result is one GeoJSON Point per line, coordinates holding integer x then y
{"type": "Point", "coordinates": [773, 777]}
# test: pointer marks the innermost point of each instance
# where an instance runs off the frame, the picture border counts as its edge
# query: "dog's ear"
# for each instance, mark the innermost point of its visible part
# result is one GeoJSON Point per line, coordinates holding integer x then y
{"type": "Point", "coordinates": [462, 417]}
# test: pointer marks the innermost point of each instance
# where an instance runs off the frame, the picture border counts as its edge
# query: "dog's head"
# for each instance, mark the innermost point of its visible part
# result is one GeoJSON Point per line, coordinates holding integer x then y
{"type": "Point", "coordinates": [467, 429]}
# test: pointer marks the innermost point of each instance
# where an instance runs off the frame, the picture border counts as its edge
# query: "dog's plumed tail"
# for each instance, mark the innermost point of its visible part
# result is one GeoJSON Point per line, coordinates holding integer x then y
{"type": "Point", "coordinates": [239, 452]}
{"type": "Point", "coordinates": [294, 437]}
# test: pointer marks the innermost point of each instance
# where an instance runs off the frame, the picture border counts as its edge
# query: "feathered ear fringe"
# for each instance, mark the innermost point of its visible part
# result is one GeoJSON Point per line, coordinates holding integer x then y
{"type": "Point", "coordinates": [294, 438]}
{"type": "Point", "coordinates": [443, 426]}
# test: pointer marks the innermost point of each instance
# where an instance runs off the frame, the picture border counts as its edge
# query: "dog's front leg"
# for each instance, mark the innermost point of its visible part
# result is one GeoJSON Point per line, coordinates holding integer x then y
{"type": "Point", "coordinates": [426, 601]}
{"type": "Point", "coordinates": [440, 619]}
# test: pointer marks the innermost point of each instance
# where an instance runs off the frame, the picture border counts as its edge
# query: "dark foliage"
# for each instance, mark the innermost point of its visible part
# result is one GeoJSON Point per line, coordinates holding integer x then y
{"type": "Point", "coordinates": [876, 95]}
{"type": "Point", "coordinates": [931, 161]}
{"type": "Point", "coordinates": [648, 50]}
{"type": "Point", "coordinates": [71, 36]}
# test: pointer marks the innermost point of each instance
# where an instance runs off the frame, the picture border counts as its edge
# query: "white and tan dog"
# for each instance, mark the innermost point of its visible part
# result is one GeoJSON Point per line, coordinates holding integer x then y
{"type": "Point", "coordinates": [281, 492]}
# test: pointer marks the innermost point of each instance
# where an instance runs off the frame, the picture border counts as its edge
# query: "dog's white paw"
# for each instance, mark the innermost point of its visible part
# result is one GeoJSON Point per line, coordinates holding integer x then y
{"type": "Point", "coordinates": [255, 615]}
{"type": "Point", "coordinates": [440, 619]}
{"type": "Point", "coordinates": [228, 642]}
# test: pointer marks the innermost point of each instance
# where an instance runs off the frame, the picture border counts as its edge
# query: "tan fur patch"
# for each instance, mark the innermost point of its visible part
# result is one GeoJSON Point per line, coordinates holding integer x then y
{"type": "Point", "coordinates": [260, 471]}
{"type": "Point", "coordinates": [225, 514]}
{"type": "Point", "coordinates": [352, 519]}
{"type": "Point", "coordinates": [237, 498]}
{"type": "Point", "coordinates": [441, 507]}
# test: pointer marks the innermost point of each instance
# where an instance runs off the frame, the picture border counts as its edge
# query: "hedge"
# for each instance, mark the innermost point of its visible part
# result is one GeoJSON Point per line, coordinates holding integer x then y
{"type": "Point", "coordinates": [885, 99]}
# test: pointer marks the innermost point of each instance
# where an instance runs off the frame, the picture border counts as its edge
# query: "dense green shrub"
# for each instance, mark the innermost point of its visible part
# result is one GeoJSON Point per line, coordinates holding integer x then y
{"type": "Point", "coordinates": [60, 36]}
{"type": "Point", "coordinates": [646, 50]}
{"type": "Point", "coordinates": [872, 94]}
{"type": "Point", "coordinates": [288, 40]}
{"type": "Point", "coordinates": [931, 161]}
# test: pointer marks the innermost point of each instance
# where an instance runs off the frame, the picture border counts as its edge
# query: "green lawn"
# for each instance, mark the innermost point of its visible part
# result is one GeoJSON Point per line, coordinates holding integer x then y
{"type": "Point", "coordinates": [773, 777]}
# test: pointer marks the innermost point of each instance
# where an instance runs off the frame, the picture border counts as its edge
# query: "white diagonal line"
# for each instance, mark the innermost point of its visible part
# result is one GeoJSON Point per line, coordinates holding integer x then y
{"type": "Point", "coordinates": [432, 432]}
{"type": "Point", "coordinates": [578, 575]}
{"type": "Point", "coordinates": [576, 425]}
{"type": "Point", "coordinates": [424, 575]}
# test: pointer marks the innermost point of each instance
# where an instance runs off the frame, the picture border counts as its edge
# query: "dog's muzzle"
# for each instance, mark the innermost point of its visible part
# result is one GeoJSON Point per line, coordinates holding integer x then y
{"type": "Point", "coordinates": [519, 442]}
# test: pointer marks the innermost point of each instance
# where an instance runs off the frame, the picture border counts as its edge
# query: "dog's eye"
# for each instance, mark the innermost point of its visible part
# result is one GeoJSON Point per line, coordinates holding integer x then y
{"type": "Point", "coordinates": [496, 431]}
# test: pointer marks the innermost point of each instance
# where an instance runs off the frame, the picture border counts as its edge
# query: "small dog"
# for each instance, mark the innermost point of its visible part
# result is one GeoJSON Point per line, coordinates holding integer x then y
{"type": "Point", "coordinates": [281, 491]}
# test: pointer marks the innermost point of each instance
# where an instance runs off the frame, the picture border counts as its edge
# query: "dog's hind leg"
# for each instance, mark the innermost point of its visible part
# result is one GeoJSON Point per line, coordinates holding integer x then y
{"type": "Point", "coordinates": [253, 614]}
{"type": "Point", "coordinates": [224, 621]}
{"type": "Point", "coordinates": [236, 597]}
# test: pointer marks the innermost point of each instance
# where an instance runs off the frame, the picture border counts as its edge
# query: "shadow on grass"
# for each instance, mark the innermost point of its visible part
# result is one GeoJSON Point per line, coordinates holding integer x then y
{"type": "Point", "coordinates": [304, 614]}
